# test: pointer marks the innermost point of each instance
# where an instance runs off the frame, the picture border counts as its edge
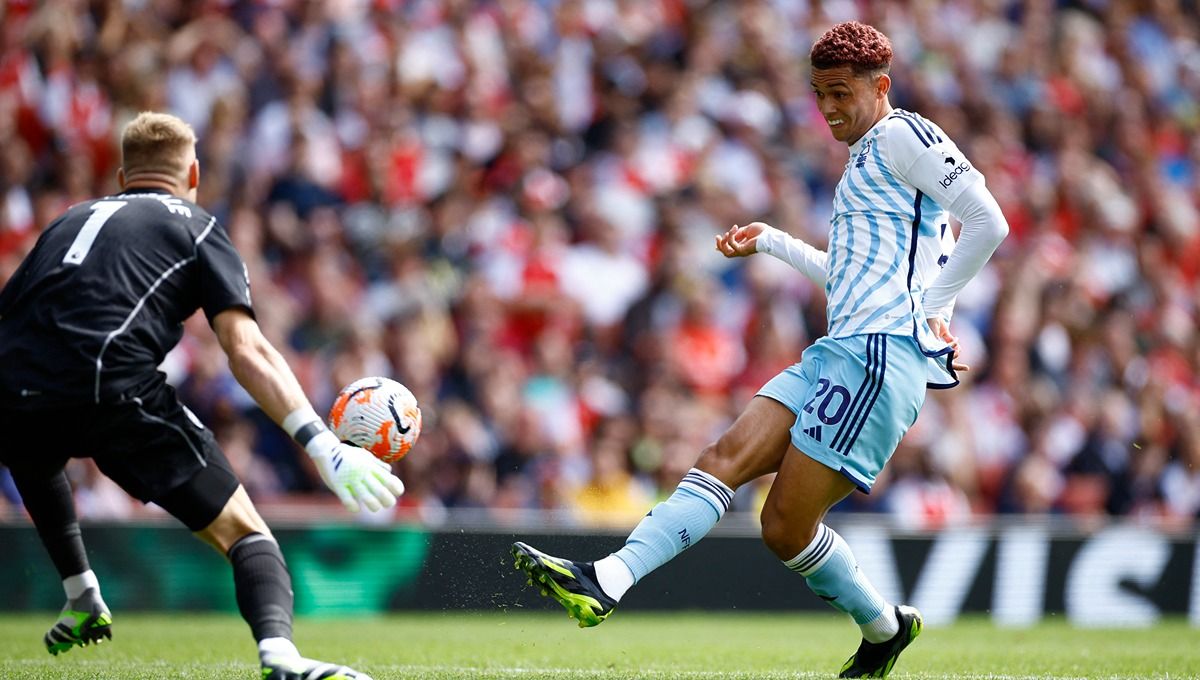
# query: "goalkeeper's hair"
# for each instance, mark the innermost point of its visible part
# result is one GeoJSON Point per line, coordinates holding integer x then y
{"type": "Point", "coordinates": [857, 45]}
{"type": "Point", "coordinates": [157, 143]}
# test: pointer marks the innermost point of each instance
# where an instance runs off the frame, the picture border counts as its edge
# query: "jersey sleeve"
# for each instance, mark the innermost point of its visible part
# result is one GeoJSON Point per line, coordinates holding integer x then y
{"type": "Point", "coordinates": [224, 279]}
{"type": "Point", "coordinates": [807, 260]}
{"type": "Point", "coordinates": [922, 155]}
{"type": "Point", "coordinates": [16, 284]}
{"type": "Point", "coordinates": [12, 289]}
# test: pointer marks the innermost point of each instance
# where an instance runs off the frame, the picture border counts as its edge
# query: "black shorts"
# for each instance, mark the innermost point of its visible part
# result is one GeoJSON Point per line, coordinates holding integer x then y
{"type": "Point", "coordinates": [150, 445]}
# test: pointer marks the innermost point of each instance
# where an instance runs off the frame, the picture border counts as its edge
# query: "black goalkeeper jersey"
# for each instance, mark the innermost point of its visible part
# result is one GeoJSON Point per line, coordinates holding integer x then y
{"type": "Point", "coordinates": [102, 298]}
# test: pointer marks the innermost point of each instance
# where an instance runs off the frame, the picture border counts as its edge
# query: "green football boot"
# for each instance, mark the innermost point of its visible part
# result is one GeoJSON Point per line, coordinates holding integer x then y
{"type": "Point", "coordinates": [299, 668]}
{"type": "Point", "coordinates": [573, 584]}
{"type": "Point", "coordinates": [875, 659]}
{"type": "Point", "coordinates": [83, 620]}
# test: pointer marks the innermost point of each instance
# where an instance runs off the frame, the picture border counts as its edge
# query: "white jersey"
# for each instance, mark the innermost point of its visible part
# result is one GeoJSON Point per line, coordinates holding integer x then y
{"type": "Point", "coordinates": [890, 232]}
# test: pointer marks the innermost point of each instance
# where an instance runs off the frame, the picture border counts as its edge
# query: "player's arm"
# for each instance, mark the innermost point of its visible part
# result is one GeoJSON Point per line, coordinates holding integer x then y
{"type": "Point", "coordinates": [758, 237]}
{"type": "Point", "coordinates": [938, 168]}
{"type": "Point", "coordinates": [983, 228]}
{"type": "Point", "coordinates": [257, 365]}
{"type": "Point", "coordinates": [352, 473]}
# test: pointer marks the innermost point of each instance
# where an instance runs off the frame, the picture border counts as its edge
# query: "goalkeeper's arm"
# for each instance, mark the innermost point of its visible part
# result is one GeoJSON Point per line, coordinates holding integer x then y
{"type": "Point", "coordinates": [352, 473]}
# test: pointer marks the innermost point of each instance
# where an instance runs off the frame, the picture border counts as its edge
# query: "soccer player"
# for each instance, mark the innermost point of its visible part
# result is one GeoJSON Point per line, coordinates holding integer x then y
{"type": "Point", "coordinates": [84, 323]}
{"type": "Point", "coordinates": [828, 424]}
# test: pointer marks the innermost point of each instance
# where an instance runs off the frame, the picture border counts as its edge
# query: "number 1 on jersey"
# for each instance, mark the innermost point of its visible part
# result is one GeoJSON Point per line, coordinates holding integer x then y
{"type": "Point", "coordinates": [101, 211]}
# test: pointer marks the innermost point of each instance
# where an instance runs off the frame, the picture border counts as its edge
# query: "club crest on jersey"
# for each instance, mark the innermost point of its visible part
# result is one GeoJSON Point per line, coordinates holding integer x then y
{"type": "Point", "coordinates": [861, 159]}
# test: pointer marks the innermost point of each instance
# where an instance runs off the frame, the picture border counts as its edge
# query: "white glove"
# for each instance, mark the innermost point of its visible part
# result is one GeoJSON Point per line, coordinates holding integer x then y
{"type": "Point", "coordinates": [354, 474]}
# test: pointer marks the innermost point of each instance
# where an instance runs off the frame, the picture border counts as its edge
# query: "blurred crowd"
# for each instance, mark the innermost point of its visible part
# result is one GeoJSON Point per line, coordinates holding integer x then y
{"type": "Point", "coordinates": [510, 205]}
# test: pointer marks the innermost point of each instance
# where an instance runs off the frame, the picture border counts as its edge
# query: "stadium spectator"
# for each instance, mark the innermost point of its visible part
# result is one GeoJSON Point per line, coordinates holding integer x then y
{"type": "Point", "coordinates": [435, 162]}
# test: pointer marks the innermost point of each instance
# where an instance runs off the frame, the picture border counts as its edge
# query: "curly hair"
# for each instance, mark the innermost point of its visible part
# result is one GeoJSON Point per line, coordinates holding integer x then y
{"type": "Point", "coordinates": [853, 44]}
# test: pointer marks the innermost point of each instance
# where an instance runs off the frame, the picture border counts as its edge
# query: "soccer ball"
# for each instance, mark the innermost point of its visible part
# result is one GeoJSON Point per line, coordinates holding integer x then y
{"type": "Point", "coordinates": [378, 414]}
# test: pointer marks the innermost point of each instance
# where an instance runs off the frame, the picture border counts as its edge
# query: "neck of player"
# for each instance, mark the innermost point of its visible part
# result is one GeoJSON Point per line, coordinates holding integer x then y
{"type": "Point", "coordinates": [155, 180]}
{"type": "Point", "coordinates": [884, 108]}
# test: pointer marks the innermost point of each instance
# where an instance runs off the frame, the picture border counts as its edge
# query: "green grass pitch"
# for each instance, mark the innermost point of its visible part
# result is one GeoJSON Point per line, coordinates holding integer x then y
{"type": "Point", "coordinates": [528, 645]}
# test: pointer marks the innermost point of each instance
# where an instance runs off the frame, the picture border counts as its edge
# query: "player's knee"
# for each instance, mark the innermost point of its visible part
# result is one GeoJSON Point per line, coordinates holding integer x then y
{"type": "Point", "coordinates": [721, 460]}
{"type": "Point", "coordinates": [237, 520]}
{"type": "Point", "coordinates": [775, 533]}
{"type": "Point", "coordinates": [783, 536]}
{"type": "Point", "coordinates": [242, 525]}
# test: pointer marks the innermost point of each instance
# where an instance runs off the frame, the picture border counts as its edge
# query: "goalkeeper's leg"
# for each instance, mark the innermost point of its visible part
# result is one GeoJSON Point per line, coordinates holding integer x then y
{"type": "Point", "coordinates": [263, 588]}
{"type": "Point", "coordinates": [85, 618]}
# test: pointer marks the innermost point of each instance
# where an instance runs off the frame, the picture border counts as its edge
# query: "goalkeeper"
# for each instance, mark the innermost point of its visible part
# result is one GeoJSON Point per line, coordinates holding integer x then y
{"type": "Point", "coordinates": [84, 323]}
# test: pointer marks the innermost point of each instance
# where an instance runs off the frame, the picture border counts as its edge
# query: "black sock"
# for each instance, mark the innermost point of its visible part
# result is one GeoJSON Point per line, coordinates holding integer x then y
{"type": "Point", "coordinates": [263, 585]}
{"type": "Point", "coordinates": [52, 509]}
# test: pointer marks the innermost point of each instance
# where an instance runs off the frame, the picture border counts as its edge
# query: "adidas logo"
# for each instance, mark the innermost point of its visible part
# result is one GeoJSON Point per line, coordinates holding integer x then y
{"type": "Point", "coordinates": [814, 432]}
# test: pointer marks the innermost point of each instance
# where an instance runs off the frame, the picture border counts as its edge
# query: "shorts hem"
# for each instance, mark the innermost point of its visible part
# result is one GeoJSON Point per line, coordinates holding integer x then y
{"type": "Point", "coordinates": [824, 457]}
{"type": "Point", "coordinates": [779, 399]}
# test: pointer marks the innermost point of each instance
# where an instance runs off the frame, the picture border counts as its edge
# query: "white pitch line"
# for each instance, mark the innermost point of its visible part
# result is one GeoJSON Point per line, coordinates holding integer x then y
{"type": "Point", "coordinates": [670, 673]}
{"type": "Point", "coordinates": [384, 671]}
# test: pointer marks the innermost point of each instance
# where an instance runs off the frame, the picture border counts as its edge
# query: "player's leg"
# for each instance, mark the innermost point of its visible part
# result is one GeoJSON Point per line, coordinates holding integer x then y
{"type": "Point", "coordinates": [793, 528]}
{"type": "Point", "coordinates": [752, 447]}
{"type": "Point", "coordinates": [37, 472]}
{"type": "Point", "coordinates": [215, 506]}
{"type": "Point", "coordinates": [158, 452]}
{"type": "Point", "coordinates": [85, 618]}
{"type": "Point", "coordinates": [263, 587]}
{"type": "Point", "coordinates": [847, 435]}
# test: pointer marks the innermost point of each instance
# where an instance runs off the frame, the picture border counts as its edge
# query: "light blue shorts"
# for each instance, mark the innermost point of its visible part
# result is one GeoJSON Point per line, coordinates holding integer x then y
{"type": "Point", "coordinates": [854, 398]}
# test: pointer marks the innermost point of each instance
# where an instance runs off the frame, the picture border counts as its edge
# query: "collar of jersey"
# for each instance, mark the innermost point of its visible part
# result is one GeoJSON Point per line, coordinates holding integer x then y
{"type": "Point", "coordinates": [856, 147]}
{"type": "Point", "coordinates": [144, 190]}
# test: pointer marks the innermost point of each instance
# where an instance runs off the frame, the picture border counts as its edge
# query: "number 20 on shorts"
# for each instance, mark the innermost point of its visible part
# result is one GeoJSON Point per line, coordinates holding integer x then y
{"type": "Point", "coordinates": [833, 402]}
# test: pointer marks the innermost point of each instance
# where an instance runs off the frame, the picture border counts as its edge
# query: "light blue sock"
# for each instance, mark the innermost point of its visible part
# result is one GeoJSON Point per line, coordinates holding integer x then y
{"type": "Point", "coordinates": [833, 574]}
{"type": "Point", "coordinates": [675, 524]}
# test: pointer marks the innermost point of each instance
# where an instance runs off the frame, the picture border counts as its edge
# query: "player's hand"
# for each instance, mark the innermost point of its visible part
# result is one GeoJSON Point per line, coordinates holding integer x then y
{"type": "Point", "coordinates": [357, 477]}
{"type": "Point", "coordinates": [740, 241]}
{"type": "Point", "coordinates": [942, 330]}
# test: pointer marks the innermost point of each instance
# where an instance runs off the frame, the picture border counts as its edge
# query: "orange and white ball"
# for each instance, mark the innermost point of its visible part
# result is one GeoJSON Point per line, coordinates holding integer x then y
{"type": "Point", "coordinates": [378, 414]}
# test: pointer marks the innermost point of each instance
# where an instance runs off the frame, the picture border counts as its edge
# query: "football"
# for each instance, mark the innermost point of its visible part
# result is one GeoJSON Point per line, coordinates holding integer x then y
{"type": "Point", "coordinates": [378, 414]}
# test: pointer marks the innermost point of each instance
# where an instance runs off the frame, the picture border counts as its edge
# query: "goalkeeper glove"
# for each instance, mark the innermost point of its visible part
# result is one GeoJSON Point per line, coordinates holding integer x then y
{"type": "Point", "coordinates": [354, 474]}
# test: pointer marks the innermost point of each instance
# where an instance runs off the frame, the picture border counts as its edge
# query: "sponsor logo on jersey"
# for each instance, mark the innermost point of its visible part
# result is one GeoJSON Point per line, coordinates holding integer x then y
{"type": "Point", "coordinates": [954, 174]}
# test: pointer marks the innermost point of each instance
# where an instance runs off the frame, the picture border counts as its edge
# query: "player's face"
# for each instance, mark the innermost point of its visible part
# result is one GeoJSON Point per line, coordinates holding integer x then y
{"type": "Point", "coordinates": [851, 103]}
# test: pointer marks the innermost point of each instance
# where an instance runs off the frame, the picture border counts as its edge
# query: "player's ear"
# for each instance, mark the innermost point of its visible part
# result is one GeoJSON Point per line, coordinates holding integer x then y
{"type": "Point", "coordinates": [883, 85]}
{"type": "Point", "coordinates": [194, 174]}
{"type": "Point", "coordinates": [121, 178]}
